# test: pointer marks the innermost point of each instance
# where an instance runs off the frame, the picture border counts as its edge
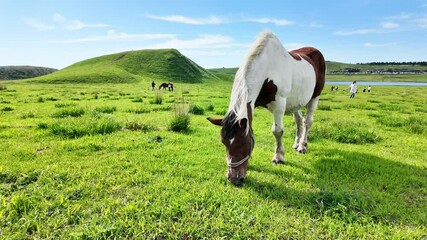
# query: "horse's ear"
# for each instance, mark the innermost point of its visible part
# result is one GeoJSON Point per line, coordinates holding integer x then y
{"type": "Point", "coordinates": [215, 121]}
{"type": "Point", "coordinates": [243, 122]}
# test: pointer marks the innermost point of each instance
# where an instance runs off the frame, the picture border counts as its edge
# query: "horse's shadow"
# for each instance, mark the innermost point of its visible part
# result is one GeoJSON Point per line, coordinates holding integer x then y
{"type": "Point", "coordinates": [350, 185]}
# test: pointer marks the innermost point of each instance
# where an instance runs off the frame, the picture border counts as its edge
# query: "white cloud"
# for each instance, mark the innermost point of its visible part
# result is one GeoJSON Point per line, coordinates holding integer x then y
{"type": "Point", "coordinates": [421, 22]}
{"type": "Point", "coordinates": [355, 32]}
{"type": "Point", "coordinates": [405, 20]}
{"type": "Point", "coordinates": [59, 21]}
{"type": "Point", "coordinates": [188, 20]}
{"type": "Point", "coordinates": [58, 18]}
{"type": "Point", "coordinates": [201, 42]}
{"type": "Point", "coordinates": [112, 35]}
{"type": "Point", "coordinates": [401, 22]}
{"type": "Point", "coordinates": [389, 25]}
{"type": "Point", "coordinates": [402, 16]}
{"type": "Point", "coordinates": [216, 20]}
{"type": "Point", "coordinates": [39, 25]}
{"type": "Point", "coordinates": [278, 22]}
{"type": "Point", "coordinates": [378, 45]}
{"type": "Point", "coordinates": [71, 24]}
{"type": "Point", "coordinates": [315, 25]}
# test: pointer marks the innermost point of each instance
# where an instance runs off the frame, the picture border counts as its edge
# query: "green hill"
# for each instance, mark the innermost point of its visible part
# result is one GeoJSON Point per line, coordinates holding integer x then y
{"type": "Point", "coordinates": [23, 72]}
{"type": "Point", "coordinates": [224, 73]}
{"type": "Point", "coordinates": [161, 65]}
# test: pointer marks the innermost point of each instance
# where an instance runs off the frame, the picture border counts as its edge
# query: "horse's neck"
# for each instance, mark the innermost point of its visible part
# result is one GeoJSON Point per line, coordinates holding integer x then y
{"type": "Point", "coordinates": [266, 67]}
{"type": "Point", "coordinates": [260, 64]}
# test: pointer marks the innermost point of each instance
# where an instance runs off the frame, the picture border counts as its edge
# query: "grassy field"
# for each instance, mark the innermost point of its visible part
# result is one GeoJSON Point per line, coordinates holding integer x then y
{"type": "Point", "coordinates": [99, 161]}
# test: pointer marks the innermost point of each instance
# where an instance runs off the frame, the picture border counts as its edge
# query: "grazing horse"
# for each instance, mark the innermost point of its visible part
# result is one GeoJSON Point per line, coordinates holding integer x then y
{"type": "Point", "coordinates": [280, 81]}
{"type": "Point", "coordinates": [165, 86]}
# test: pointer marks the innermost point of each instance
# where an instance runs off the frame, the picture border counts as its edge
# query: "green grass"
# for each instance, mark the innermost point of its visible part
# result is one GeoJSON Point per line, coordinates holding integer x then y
{"type": "Point", "coordinates": [157, 99]}
{"type": "Point", "coordinates": [116, 171]}
{"type": "Point", "coordinates": [197, 110]}
{"type": "Point", "coordinates": [414, 124]}
{"type": "Point", "coordinates": [349, 131]}
{"type": "Point", "coordinates": [7, 109]}
{"type": "Point", "coordinates": [69, 112]}
{"type": "Point", "coordinates": [75, 128]}
{"type": "Point", "coordinates": [106, 109]}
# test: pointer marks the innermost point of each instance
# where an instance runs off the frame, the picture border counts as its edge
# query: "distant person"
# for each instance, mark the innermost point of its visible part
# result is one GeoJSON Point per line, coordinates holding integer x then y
{"type": "Point", "coordinates": [369, 88]}
{"type": "Point", "coordinates": [153, 86]}
{"type": "Point", "coordinates": [336, 88]}
{"type": "Point", "coordinates": [364, 89]}
{"type": "Point", "coordinates": [332, 88]}
{"type": "Point", "coordinates": [353, 89]}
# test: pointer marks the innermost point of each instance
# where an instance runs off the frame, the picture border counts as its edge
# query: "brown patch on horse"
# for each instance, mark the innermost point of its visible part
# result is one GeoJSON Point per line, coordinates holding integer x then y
{"type": "Point", "coordinates": [267, 93]}
{"type": "Point", "coordinates": [315, 58]}
{"type": "Point", "coordinates": [295, 55]}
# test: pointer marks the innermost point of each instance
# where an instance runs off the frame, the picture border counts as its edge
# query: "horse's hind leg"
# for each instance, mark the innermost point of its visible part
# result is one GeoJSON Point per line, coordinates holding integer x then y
{"type": "Point", "coordinates": [299, 120]}
{"type": "Point", "coordinates": [308, 120]}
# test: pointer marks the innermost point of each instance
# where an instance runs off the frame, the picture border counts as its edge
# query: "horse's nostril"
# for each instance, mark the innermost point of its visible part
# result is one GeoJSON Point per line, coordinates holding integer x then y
{"type": "Point", "coordinates": [240, 180]}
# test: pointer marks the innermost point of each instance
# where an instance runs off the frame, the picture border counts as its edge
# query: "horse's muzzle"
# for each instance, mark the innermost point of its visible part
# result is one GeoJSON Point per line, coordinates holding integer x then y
{"type": "Point", "coordinates": [236, 180]}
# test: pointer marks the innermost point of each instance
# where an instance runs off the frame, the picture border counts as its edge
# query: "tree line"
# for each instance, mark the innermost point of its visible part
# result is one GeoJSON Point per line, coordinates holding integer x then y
{"type": "Point", "coordinates": [22, 72]}
{"type": "Point", "coordinates": [423, 63]}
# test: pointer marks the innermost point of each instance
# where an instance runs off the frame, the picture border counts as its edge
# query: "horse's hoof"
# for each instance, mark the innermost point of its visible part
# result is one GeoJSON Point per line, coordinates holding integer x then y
{"type": "Point", "coordinates": [302, 150]}
{"type": "Point", "coordinates": [278, 161]}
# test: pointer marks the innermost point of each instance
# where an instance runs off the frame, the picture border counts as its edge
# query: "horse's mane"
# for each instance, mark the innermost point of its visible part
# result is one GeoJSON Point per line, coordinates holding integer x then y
{"type": "Point", "coordinates": [238, 108]}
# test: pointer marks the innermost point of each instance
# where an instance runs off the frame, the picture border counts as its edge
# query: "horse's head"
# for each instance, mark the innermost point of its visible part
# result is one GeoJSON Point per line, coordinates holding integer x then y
{"type": "Point", "coordinates": [238, 143]}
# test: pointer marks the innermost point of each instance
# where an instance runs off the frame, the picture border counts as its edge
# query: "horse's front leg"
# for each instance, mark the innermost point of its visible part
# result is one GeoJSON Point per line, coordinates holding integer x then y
{"type": "Point", "coordinates": [278, 110]}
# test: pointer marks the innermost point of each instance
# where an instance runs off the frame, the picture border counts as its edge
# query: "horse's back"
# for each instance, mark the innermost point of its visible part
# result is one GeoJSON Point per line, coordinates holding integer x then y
{"type": "Point", "coordinates": [316, 59]}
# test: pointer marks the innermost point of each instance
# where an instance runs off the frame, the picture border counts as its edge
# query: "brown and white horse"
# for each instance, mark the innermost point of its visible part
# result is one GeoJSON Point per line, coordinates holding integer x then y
{"type": "Point", "coordinates": [280, 81]}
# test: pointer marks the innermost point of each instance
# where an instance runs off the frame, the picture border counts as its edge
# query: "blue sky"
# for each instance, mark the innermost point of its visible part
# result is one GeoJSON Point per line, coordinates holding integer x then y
{"type": "Point", "coordinates": [213, 33]}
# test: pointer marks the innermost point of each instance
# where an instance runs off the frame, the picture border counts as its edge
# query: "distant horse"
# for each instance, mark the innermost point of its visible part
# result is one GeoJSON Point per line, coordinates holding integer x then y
{"type": "Point", "coordinates": [165, 86]}
{"type": "Point", "coordinates": [280, 81]}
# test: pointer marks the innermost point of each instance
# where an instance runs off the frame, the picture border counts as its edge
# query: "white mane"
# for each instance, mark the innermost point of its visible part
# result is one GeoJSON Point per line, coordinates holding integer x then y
{"type": "Point", "coordinates": [239, 94]}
